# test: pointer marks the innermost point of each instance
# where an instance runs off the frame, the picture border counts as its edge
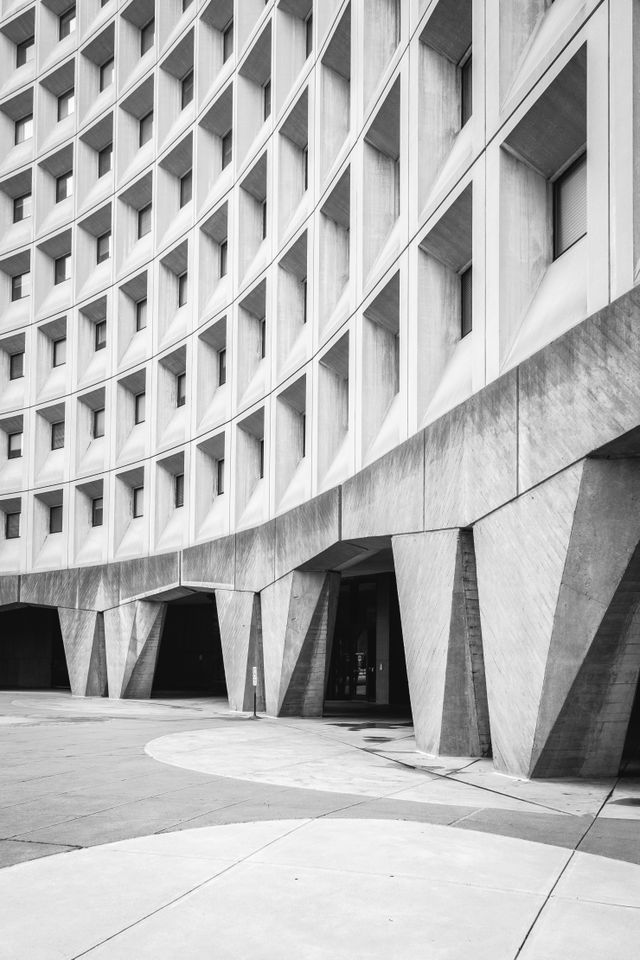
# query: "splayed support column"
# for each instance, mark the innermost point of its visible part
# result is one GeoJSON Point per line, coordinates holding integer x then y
{"type": "Point", "coordinates": [438, 596]}
{"type": "Point", "coordinates": [132, 641]}
{"type": "Point", "coordinates": [241, 636]}
{"type": "Point", "coordinates": [84, 649]}
{"type": "Point", "coordinates": [298, 618]}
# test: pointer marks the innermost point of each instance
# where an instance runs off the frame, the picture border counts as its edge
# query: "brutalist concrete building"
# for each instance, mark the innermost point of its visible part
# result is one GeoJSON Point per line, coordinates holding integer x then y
{"type": "Point", "coordinates": [320, 362]}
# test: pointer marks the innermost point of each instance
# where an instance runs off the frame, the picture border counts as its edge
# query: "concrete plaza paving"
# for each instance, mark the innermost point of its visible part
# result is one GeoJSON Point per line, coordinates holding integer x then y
{"type": "Point", "coordinates": [174, 828]}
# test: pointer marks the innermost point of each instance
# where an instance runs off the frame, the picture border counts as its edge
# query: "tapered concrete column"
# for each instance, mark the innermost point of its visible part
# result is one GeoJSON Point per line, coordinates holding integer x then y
{"type": "Point", "coordinates": [84, 649]}
{"type": "Point", "coordinates": [559, 585]}
{"type": "Point", "coordinates": [298, 617]}
{"type": "Point", "coordinates": [241, 636]}
{"type": "Point", "coordinates": [438, 597]}
{"type": "Point", "coordinates": [132, 639]}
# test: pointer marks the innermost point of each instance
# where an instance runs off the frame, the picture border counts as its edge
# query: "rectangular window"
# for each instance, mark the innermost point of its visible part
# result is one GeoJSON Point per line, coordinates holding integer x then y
{"type": "Point", "coordinates": [261, 458]}
{"type": "Point", "coordinates": [97, 512]}
{"type": "Point", "coordinates": [140, 408]}
{"type": "Point", "coordinates": [308, 33]}
{"type": "Point", "coordinates": [466, 302]}
{"type": "Point", "coordinates": [146, 128]}
{"type": "Point", "coordinates": [106, 74]}
{"type": "Point", "coordinates": [223, 259]}
{"type": "Point", "coordinates": [466, 88]}
{"type": "Point", "coordinates": [100, 341]}
{"type": "Point", "coordinates": [64, 186]}
{"type": "Point", "coordinates": [186, 89]}
{"type": "Point", "coordinates": [305, 162]}
{"type": "Point", "coordinates": [66, 103]}
{"type": "Point", "coordinates": [147, 36]}
{"type": "Point", "coordinates": [144, 221]}
{"type": "Point", "coordinates": [23, 129]}
{"type": "Point", "coordinates": [67, 22]}
{"type": "Point", "coordinates": [186, 187]}
{"type": "Point", "coordinates": [220, 476]}
{"type": "Point", "coordinates": [20, 286]}
{"type": "Point", "coordinates": [222, 367]}
{"type": "Point", "coordinates": [103, 247]}
{"type": "Point", "coordinates": [227, 148]}
{"type": "Point", "coordinates": [263, 338]}
{"type": "Point", "coordinates": [12, 526]}
{"type": "Point", "coordinates": [141, 314]}
{"type": "Point", "coordinates": [303, 429]}
{"type": "Point", "coordinates": [227, 41]}
{"type": "Point", "coordinates": [55, 519]}
{"type": "Point", "coordinates": [179, 490]}
{"type": "Point", "coordinates": [22, 208]}
{"type": "Point", "coordinates": [57, 435]}
{"type": "Point", "coordinates": [97, 427]}
{"type": "Point", "coordinates": [25, 51]}
{"type": "Point", "coordinates": [181, 389]}
{"type": "Point", "coordinates": [266, 100]}
{"type": "Point", "coordinates": [14, 446]}
{"type": "Point", "coordinates": [264, 219]}
{"type": "Point", "coordinates": [138, 501]}
{"type": "Point", "coordinates": [62, 268]}
{"type": "Point", "coordinates": [16, 366]}
{"type": "Point", "coordinates": [59, 352]}
{"type": "Point", "coordinates": [304, 300]}
{"type": "Point", "coordinates": [104, 160]}
{"type": "Point", "coordinates": [183, 288]}
{"type": "Point", "coordinates": [570, 206]}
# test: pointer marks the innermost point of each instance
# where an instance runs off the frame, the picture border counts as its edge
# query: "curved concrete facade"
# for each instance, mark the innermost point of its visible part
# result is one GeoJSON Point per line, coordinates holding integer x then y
{"type": "Point", "coordinates": [299, 368]}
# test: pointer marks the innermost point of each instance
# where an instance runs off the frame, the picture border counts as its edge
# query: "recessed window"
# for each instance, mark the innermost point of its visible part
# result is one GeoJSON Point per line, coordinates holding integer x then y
{"type": "Point", "coordinates": [12, 526]}
{"type": "Point", "coordinates": [103, 247]}
{"type": "Point", "coordinates": [263, 338]}
{"type": "Point", "coordinates": [97, 425]}
{"type": "Point", "coordinates": [186, 187]}
{"type": "Point", "coordinates": [179, 490]}
{"type": "Point", "coordinates": [266, 99]}
{"type": "Point", "coordinates": [106, 74]}
{"type": "Point", "coordinates": [105, 157]}
{"type": "Point", "coordinates": [261, 458]}
{"type": "Point", "coordinates": [100, 341]}
{"type": "Point", "coordinates": [140, 405]}
{"type": "Point", "coordinates": [97, 511]}
{"type": "Point", "coordinates": [304, 300]}
{"type": "Point", "coordinates": [570, 206]}
{"type": "Point", "coordinates": [20, 286]}
{"type": "Point", "coordinates": [23, 129]}
{"type": "Point", "coordinates": [227, 41]}
{"type": "Point", "coordinates": [55, 519]}
{"type": "Point", "coordinates": [146, 128]}
{"type": "Point", "coordinates": [144, 221]}
{"type": "Point", "coordinates": [141, 314]}
{"type": "Point", "coordinates": [59, 352]}
{"type": "Point", "coordinates": [183, 288]}
{"type": "Point", "coordinates": [16, 366]}
{"type": "Point", "coordinates": [305, 167]}
{"type": "Point", "coordinates": [227, 148]}
{"type": "Point", "coordinates": [466, 301]}
{"type": "Point", "coordinates": [62, 268]}
{"type": "Point", "coordinates": [138, 501]}
{"type": "Point", "coordinates": [67, 22]}
{"type": "Point", "coordinates": [64, 186]}
{"type": "Point", "coordinates": [466, 88]}
{"type": "Point", "coordinates": [14, 446]}
{"type": "Point", "coordinates": [181, 389]}
{"type": "Point", "coordinates": [264, 219]}
{"type": "Point", "coordinates": [220, 476]}
{"type": "Point", "coordinates": [186, 89]}
{"type": "Point", "coordinates": [57, 435]}
{"type": "Point", "coordinates": [22, 208]}
{"type": "Point", "coordinates": [223, 259]}
{"type": "Point", "coordinates": [308, 34]}
{"type": "Point", "coordinates": [222, 367]}
{"type": "Point", "coordinates": [186, 4]}
{"type": "Point", "coordinates": [25, 51]}
{"type": "Point", "coordinates": [147, 36]}
{"type": "Point", "coordinates": [303, 428]}
{"type": "Point", "coordinates": [66, 104]}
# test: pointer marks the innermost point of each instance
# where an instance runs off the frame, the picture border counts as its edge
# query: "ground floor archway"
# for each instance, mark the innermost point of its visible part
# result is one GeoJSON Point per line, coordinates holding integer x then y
{"type": "Point", "coordinates": [190, 655]}
{"type": "Point", "coordinates": [31, 649]}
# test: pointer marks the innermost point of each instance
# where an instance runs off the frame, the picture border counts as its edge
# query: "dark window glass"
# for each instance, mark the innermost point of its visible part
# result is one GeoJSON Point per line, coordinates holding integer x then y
{"type": "Point", "coordinates": [466, 301]}
{"type": "Point", "coordinates": [59, 352]}
{"type": "Point", "coordinates": [181, 389]}
{"type": "Point", "coordinates": [67, 22]}
{"type": "Point", "coordinates": [138, 501]}
{"type": "Point", "coordinates": [100, 335]}
{"type": "Point", "coordinates": [64, 186]}
{"type": "Point", "coordinates": [62, 268]}
{"type": "Point", "coordinates": [140, 407]}
{"type": "Point", "coordinates": [105, 159]}
{"type": "Point", "coordinates": [305, 162]}
{"type": "Point", "coordinates": [25, 51]}
{"type": "Point", "coordinates": [12, 526]}
{"type": "Point", "coordinates": [16, 366]}
{"type": "Point", "coordinates": [264, 219]}
{"type": "Point", "coordinates": [183, 289]}
{"type": "Point", "coordinates": [466, 89]}
{"type": "Point", "coordinates": [227, 41]}
{"type": "Point", "coordinates": [308, 27]}
{"type": "Point", "coordinates": [103, 247]}
{"type": "Point", "coordinates": [179, 490]}
{"type": "Point", "coordinates": [261, 458]}
{"type": "Point", "coordinates": [570, 206]}
{"type": "Point", "coordinates": [146, 128]}
{"type": "Point", "coordinates": [20, 286]}
{"type": "Point", "coordinates": [55, 519]}
{"type": "Point", "coordinates": [220, 476]}
{"type": "Point", "coordinates": [66, 104]}
{"type": "Point", "coordinates": [186, 187]}
{"type": "Point", "coordinates": [227, 148]}
{"type": "Point", "coordinates": [304, 300]}
{"type": "Point", "coordinates": [303, 427]}
{"type": "Point", "coordinates": [106, 74]}
{"type": "Point", "coordinates": [97, 427]}
{"type": "Point", "coordinates": [57, 435]}
{"type": "Point", "coordinates": [141, 314]}
{"type": "Point", "coordinates": [186, 86]}
{"type": "Point", "coordinates": [22, 208]}
{"type": "Point", "coordinates": [263, 338]}
{"type": "Point", "coordinates": [266, 99]}
{"type": "Point", "coordinates": [97, 512]}
{"type": "Point", "coordinates": [144, 221]}
{"type": "Point", "coordinates": [23, 128]}
{"type": "Point", "coordinates": [223, 258]}
{"type": "Point", "coordinates": [14, 446]}
{"type": "Point", "coordinates": [147, 35]}
{"type": "Point", "coordinates": [222, 367]}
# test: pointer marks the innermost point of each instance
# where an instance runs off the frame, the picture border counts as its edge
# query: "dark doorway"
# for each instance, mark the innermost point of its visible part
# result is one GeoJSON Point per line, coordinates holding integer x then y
{"type": "Point", "coordinates": [367, 664]}
{"type": "Point", "coordinates": [190, 655]}
{"type": "Point", "coordinates": [31, 650]}
{"type": "Point", "coordinates": [630, 765]}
